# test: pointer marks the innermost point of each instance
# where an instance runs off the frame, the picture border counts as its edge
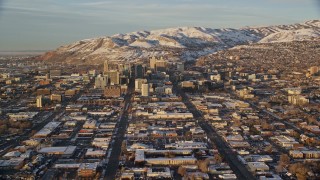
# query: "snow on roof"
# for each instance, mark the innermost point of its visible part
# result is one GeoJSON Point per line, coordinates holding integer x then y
{"type": "Point", "coordinates": [67, 150]}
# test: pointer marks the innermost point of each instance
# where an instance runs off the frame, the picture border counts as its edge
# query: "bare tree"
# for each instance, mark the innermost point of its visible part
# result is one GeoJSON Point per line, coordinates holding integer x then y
{"type": "Point", "coordinates": [268, 149]}
{"type": "Point", "coordinates": [300, 170]}
{"type": "Point", "coordinates": [203, 165]}
{"type": "Point", "coordinates": [182, 171]}
{"type": "Point", "coordinates": [217, 158]}
{"type": "Point", "coordinates": [284, 160]}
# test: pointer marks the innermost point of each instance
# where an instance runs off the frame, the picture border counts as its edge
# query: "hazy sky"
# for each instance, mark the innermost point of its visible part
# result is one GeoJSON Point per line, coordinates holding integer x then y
{"type": "Point", "coordinates": [47, 24]}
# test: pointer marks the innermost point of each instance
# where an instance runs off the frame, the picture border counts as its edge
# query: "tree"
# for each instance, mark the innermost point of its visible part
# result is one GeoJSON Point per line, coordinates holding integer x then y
{"type": "Point", "coordinates": [300, 170]}
{"type": "Point", "coordinates": [182, 171]}
{"type": "Point", "coordinates": [237, 122]}
{"type": "Point", "coordinates": [295, 134]}
{"type": "Point", "coordinates": [268, 149]}
{"type": "Point", "coordinates": [284, 160]}
{"type": "Point", "coordinates": [311, 119]}
{"type": "Point", "coordinates": [203, 165]}
{"type": "Point", "coordinates": [217, 158]}
{"type": "Point", "coordinates": [124, 146]}
{"type": "Point", "coordinates": [3, 129]}
{"type": "Point", "coordinates": [188, 135]}
{"type": "Point", "coordinates": [265, 125]}
{"type": "Point", "coordinates": [279, 168]}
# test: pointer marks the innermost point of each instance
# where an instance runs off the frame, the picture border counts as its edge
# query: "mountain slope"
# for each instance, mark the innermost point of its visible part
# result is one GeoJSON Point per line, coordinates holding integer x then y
{"type": "Point", "coordinates": [187, 43]}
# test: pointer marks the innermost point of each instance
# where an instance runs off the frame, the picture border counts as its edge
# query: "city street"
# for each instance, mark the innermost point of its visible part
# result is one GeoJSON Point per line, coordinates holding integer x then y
{"type": "Point", "coordinates": [113, 164]}
{"type": "Point", "coordinates": [231, 157]}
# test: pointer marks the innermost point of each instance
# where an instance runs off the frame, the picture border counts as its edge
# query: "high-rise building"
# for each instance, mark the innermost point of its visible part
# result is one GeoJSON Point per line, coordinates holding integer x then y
{"type": "Point", "coordinates": [138, 84]}
{"type": "Point", "coordinates": [161, 66]}
{"type": "Point", "coordinates": [101, 82]}
{"type": "Point", "coordinates": [139, 70]}
{"type": "Point", "coordinates": [158, 64]}
{"type": "Point", "coordinates": [117, 72]}
{"type": "Point", "coordinates": [123, 68]}
{"type": "Point", "coordinates": [106, 66]}
{"type": "Point", "coordinates": [39, 101]}
{"type": "Point", "coordinates": [153, 62]}
{"type": "Point", "coordinates": [145, 90]}
{"type": "Point", "coordinates": [110, 66]}
{"type": "Point", "coordinates": [114, 77]}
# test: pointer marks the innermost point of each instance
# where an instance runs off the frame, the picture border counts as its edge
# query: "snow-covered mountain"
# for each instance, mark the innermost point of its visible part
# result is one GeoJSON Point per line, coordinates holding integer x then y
{"type": "Point", "coordinates": [187, 43]}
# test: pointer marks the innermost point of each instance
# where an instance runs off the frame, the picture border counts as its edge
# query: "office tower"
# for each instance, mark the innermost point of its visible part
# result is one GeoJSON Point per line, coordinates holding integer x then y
{"type": "Point", "coordinates": [158, 65]}
{"type": "Point", "coordinates": [39, 101]}
{"type": "Point", "coordinates": [161, 65]}
{"type": "Point", "coordinates": [117, 72]}
{"type": "Point", "coordinates": [101, 82]}
{"type": "Point", "coordinates": [153, 62]}
{"type": "Point", "coordinates": [139, 70]}
{"type": "Point", "coordinates": [106, 66]}
{"type": "Point", "coordinates": [113, 76]}
{"type": "Point", "coordinates": [138, 84]}
{"type": "Point", "coordinates": [124, 69]}
{"type": "Point", "coordinates": [145, 90]}
{"type": "Point", "coordinates": [111, 66]}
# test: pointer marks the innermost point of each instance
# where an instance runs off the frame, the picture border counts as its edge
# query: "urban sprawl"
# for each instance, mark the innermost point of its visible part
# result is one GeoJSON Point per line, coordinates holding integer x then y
{"type": "Point", "coordinates": [158, 119]}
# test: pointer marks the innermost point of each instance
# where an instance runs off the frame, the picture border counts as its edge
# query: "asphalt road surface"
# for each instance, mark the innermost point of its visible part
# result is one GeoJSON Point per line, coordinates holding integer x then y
{"type": "Point", "coordinates": [113, 163]}
{"type": "Point", "coordinates": [230, 156]}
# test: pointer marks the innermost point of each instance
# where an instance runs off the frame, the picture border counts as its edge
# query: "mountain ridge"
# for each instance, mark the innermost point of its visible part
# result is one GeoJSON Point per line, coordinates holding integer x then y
{"type": "Point", "coordinates": [187, 43]}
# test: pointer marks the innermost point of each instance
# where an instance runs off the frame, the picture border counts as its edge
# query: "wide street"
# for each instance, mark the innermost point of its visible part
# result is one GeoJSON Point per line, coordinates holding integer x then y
{"type": "Point", "coordinates": [230, 156]}
{"type": "Point", "coordinates": [113, 164]}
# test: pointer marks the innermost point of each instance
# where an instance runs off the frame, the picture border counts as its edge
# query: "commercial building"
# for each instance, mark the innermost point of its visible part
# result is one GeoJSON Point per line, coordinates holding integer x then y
{"type": "Point", "coordinates": [64, 151]}
{"type": "Point", "coordinates": [138, 84]}
{"type": "Point", "coordinates": [159, 172]}
{"type": "Point", "coordinates": [87, 169]}
{"type": "Point", "coordinates": [47, 130]}
{"type": "Point", "coordinates": [13, 163]}
{"type": "Point", "coordinates": [56, 97]}
{"type": "Point", "coordinates": [112, 91]}
{"type": "Point", "coordinates": [172, 161]}
{"type": "Point", "coordinates": [139, 70]}
{"type": "Point", "coordinates": [145, 90]}
{"type": "Point", "coordinates": [158, 64]}
{"type": "Point", "coordinates": [113, 77]}
{"type": "Point", "coordinates": [101, 82]}
{"type": "Point", "coordinates": [95, 153]}
{"type": "Point", "coordinates": [43, 92]}
{"type": "Point", "coordinates": [21, 116]}
{"type": "Point", "coordinates": [257, 166]}
{"type": "Point", "coordinates": [186, 145]}
{"type": "Point", "coordinates": [298, 100]}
